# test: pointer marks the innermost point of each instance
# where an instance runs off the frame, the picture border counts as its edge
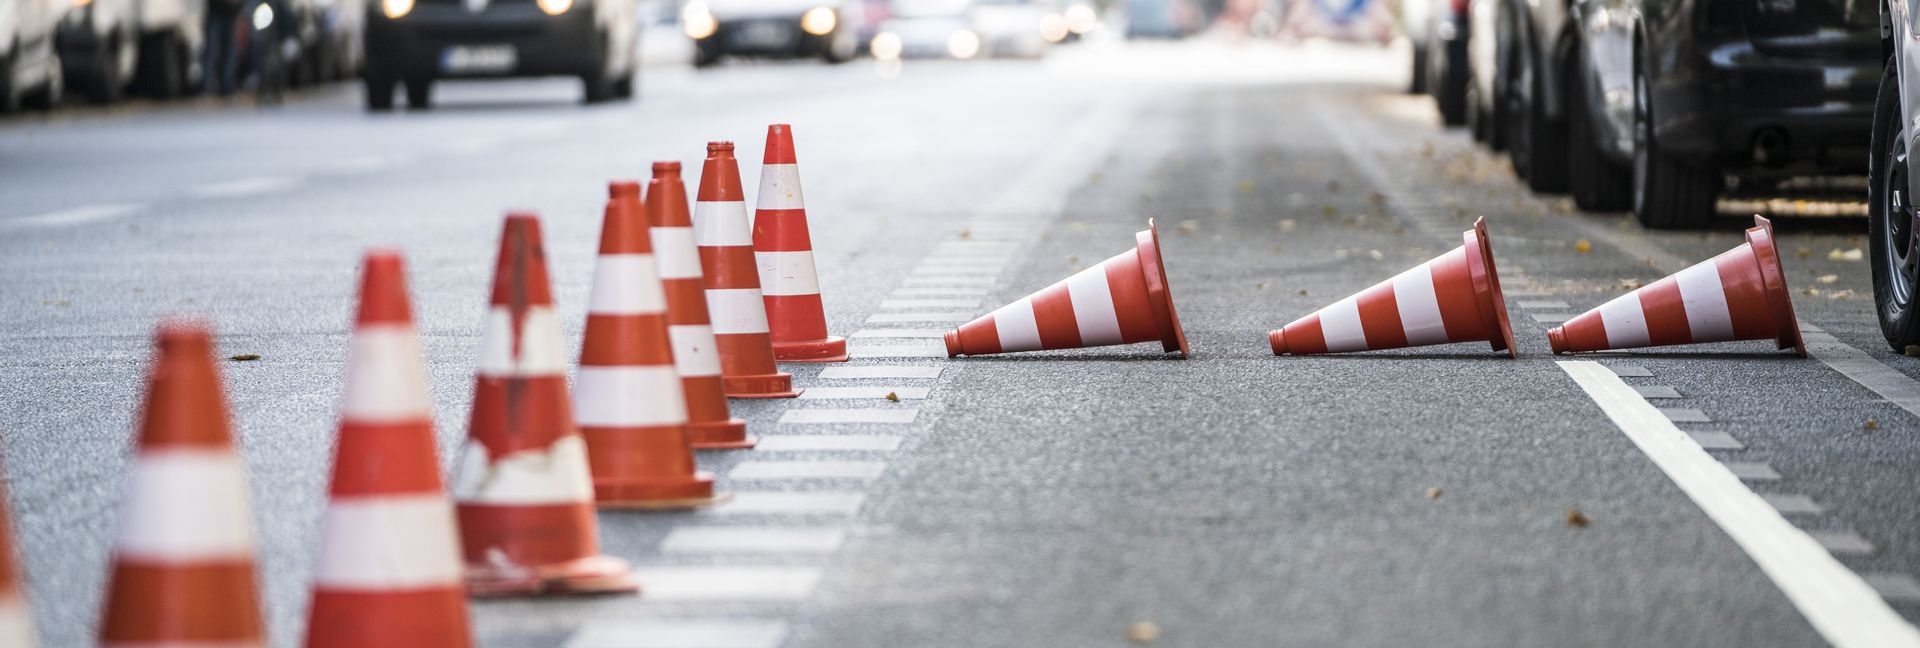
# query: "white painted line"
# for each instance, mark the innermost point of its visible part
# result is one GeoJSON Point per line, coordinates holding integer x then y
{"type": "Point", "coordinates": [1685, 415]}
{"type": "Point", "coordinates": [901, 304]}
{"type": "Point", "coordinates": [718, 584]}
{"type": "Point", "coordinates": [76, 216]}
{"type": "Point", "coordinates": [829, 442]}
{"type": "Point", "coordinates": [1794, 504]}
{"type": "Point", "coordinates": [807, 470]}
{"type": "Point", "coordinates": [1657, 391]}
{"type": "Point", "coordinates": [752, 539]}
{"type": "Point", "coordinates": [679, 633]}
{"type": "Point", "coordinates": [964, 264]}
{"type": "Point", "coordinates": [1893, 586]}
{"type": "Point", "coordinates": [934, 271]}
{"type": "Point", "coordinates": [898, 333]}
{"type": "Point", "coordinates": [790, 503]}
{"type": "Point", "coordinates": [1552, 318]}
{"type": "Point", "coordinates": [1543, 304]}
{"type": "Point", "coordinates": [870, 415]}
{"type": "Point", "coordinates": [1855, 364]}
{"type": "Point", "coordinates": [244, 187]}
{"type": "Point", "coordinates": [949, 281]}
{"type": "Point", "coordinates": [1843, 542]}
{"type": "Point", "coordinates": [1716, 441]}
{"type": "Point", "coordinates": [1753, 470]}
{"type": "Point", "coordinates": [953, 291]}
{"type": "Point", "coordinates": [848, 393]}
{"type": "Point", "coordinates": [1838, 603]}
{"type": "Point", "coordinates": [944, 316]}
{"type": "Point", "coordinates": [1630, 371]}
{"type": "Point", "coordinates": [897, 351]}
{"type": "Point", "coordinates": [883, 371]}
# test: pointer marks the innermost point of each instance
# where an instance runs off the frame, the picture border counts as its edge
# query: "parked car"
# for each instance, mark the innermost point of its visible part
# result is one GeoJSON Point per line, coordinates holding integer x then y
{"type": "Point", "coordinates": [99, 43]}
{"type": "Point", "coordinates": [772, 29]}
{"type": "Point", "coordinates": [1416, 23]}
{"type": "Point", "coordinates": [30, 70]}
{"type": "Point", "coordinates": [1443, 70]}
{"type": "Point", "coordinates": [1705, 91]}
{"type": "Point", "coordinates": [1485, 95]}
{"type": "Point", "coordinates": [1893, 224]}
{"type": "Point", "coordinates": [416, 42]}
{"type": "Point", "coordinates": [1519, 85]}
{"type": "Point", "coordinates": [172, 40]}
{"type": "Point", "coordinates": [1013, 28]}
{"type": "Point", "coordinates": [927, 29]}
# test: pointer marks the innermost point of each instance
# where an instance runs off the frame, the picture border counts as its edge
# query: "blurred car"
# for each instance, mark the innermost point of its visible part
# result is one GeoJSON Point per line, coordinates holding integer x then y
{"type": "Point", "coordinates": [772, 29]}
{"type": "Point", "coordinates": [100, 47]}
{"type": "Point", "coordinates": [415, 42]}
{"type": "Point", "coordinates": [1016, 28]}
{"type": "Point", "coordinates": [1443, 69]}
{"type": "Point", "coordinates": [1416, 24]}
{"type": "Point", "coordinates": [927, 29]}
{"type": "Point", "coordinates": [1893, 224]}
{"type": "Point", "coordinates": [1161, 18]}
{"type": "Point", "coordinates": [30, 70]}
{"type": "Point", "coordinates": [172, 39]}
{"type": "Point", "coordinates": [1704, 90]}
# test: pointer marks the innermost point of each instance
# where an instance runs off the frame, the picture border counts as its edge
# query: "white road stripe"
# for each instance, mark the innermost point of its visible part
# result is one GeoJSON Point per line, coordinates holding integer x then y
{"type": "Point", "coordinates": [244, 187]}
{"type": "Point", "coordinates": [791, 503]}
{"type": "Point", "coordinates": [76, 216]}
{"type": "Point", "coordinates": [949, 281]}
{"type": "Point", "coordinates": [927, 271]}
{"type": "Point", "coordinates": [807, 470]}
{"type": "Point", "coordinates": [845, 393]}
{"type": "Point", "coordinates": [830, 442]}
{"type": "Point", "coordinates": [897, 351]}
{"type": "Point", "coordinates": [945, 316]}
{"type": "Point", "coordinates": [867, 415]}
{"type": "Point", "coordinates": [721, 584]}
{"type": "Point", "coordinates": [884, 371]}
{"type": "Point", "coordinates": [939, 292]}
{"type": "Point", "coordinates": [679, 633]}
{"type": "Point", "coordinates": [753, 539]}
{"type": "Point", "coordinates": [1856, 365]}
{"type": "Point", "coordinates": [898, 333]}
{"type": "Point", "coordinates": [1837, 602]}
{"type": "Point", "coordinates": [902, 304]}
{"type": "Point", "coordinates": [1543, 304]}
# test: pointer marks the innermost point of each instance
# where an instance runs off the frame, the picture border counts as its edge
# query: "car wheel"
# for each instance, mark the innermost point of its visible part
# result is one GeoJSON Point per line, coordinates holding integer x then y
{"type": "Point", "coordinates": [1478, 121]}
{"type": "Point", "coordinates": [1447, 80]}
{"type": "Point", "coordinates": [419, 93]}
{"type": "Point", "coordinates": [104, 84]}
{"type": "Point", "coordinates": [1545, 148]}
{"type": "Point", "coordinates": [1417, 82]}
{"type": "Point", "coordinates": [1597, 183]}
{"type": "Point", "coordinates": [380, 90]}
{"type": "Point", "coordinates": [49, 96]}
{"type": "Point", "coordinates": [705, 54]}
{"type": "Point", "coordinates": [599, 87]}
{"type": "Point", "coordinates": [1667, 192]}
{"type": "Point", "coordinates": [162, 68]}
{"type": "Point", "coordinates": [623, 89]}
{"type": "Point", "coordinates": [9, 96]}
{"type": "Point", "coordinates": [1890, 220]}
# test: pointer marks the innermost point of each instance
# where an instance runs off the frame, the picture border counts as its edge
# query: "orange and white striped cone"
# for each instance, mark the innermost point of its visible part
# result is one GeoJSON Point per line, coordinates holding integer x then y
{"type": "Point", "coordinates": [1124, 300]}
{"type": "Point", "coordinates": [183, 571]}
{"type": "Point", "coordinates": [523, 495]}
{"type": "Point", "coordinates": [16, 619]}
{"type": "Point", "coordinates": [696, 355]}
{"type": "Point", "coordinates": [1453, 298]}
{"type": "Point", "coordinates": [733, 283]}
{"type": "Point", "coordinates": [784, 251]}
{"type": "Point", "coordinates": [1740, 295]}
{"type": "Point", "coordinates": [389, 571]}
{"type": "Point", "coordinates": [626, 396]}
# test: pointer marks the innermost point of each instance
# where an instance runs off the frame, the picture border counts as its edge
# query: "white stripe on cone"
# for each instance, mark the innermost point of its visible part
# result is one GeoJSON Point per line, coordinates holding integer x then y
{"type": "Point", "coordinates": [1340, 325]}
{"type": "Point", "coordinates": [388, 542]}
{"type": "Point", "coordinates": [736, 310]}
{"type": "Point", "coordinates": [721, 224]}
{"type": "Point", "coordinates": [1093, 306]}
{"type": "Point", "coordinates": [1419, 306]}
{"type": "Point", "coordinates": [554, 475]}
{"type": "Point", "coordinates": [626, 284]}
{"type": "Point", "coordinates": [694, 351]}
{"type": "Point", "coordinates": [16, 623]}
{"type": "Point", "coordinates": [1625, 323]}
{"type": "Point", "coordinates": [675, 251]}
{"type": "Point", "coordinates": [631, 396]}
{"type": "Point", "coordinates": [780, 187]}
{"type": "Point", "coordinates": [385, 380]}
{"type": "Point", "coordinates": [1705, 302]}
{"type": "Point", "coordinates": [1016, 326]}
{"type": "Point", "coordinates": [185, 505]}
{"type": "Point", "coordinates": [540, 352]}
{"type": "Point", "coordinates": [787, 273]}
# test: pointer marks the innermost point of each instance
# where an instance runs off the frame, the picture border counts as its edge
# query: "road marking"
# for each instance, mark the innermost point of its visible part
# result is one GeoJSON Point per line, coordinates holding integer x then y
{"type": "Point", "coordinates": [953, 291]}
{"type": "Point", "coordinates": [950, 281]}
{"type": "Point", "coordinates": [1545, 304]}
{"type": "Point", "coordinates": [1837, 602]}
{"type": "Point", "coordinates": [1896, 587]}
{"type": "Point", "coordinates": [244, 187]}
{"type": "Point", "coordinates": [885, 371]}
{"type": "Point", "coordinates": [939, 271]}
{"type": "Point", "coordinates": [76, 216]}
{"type": "Point", "coordinates": [929, 303]}
{"type": "Point", "coordinates": [675, 584]}
{"type": "Point", "coordinates": [943, 316]}
{"type": "Point", "coordinates": [829, 443]}
{"type": "Point", "coordinates": [808, 470]}
{"type": "Point", "coordinates": [790, 503]}
{"type": "Point", "coordinates": [1793, 504]}
{"type": "Point", "coordinates": [1630, 371]}
{"type": "Point", "coordinates": [1717, 441]}
{"type": "Point", "coordinates": [1685, 415]}
{"type": "Point", "coordinates": [679, 633]}
{"type": "Point", "coordinates": [898, 333]}
{"type": "Point", "coordinates": [1753, 470]}
{"type": "Point", "coordinates": [753, 539]}
{"type": "Point", "coordinates": [846, 393]}
{"type": "Point", "coordinates": [1656, 391]}
{"type": "Point", "coordinates": [1843, 542]}
{"type": "Point", "coordinates": [1552, 318]}
{"type": "Point", "coordinates": [897, 351]}
{"type": "Point", "coordinates": [871, 415]}
{"type": "Point", "coordinates": [1855, 364]}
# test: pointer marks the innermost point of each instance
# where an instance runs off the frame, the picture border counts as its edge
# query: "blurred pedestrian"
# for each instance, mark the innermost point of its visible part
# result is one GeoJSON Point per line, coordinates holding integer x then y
{"type": "Point", "coordinates": [221, 62]}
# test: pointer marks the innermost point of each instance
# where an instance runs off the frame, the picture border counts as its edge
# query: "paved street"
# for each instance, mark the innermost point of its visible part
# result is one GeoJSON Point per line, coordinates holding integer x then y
{"type": "Point", "coordinates": [1407, 497]}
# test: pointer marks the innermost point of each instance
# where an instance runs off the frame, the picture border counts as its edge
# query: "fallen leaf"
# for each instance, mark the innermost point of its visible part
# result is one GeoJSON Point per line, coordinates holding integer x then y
{"type": "Point", "coordinates": [1630, 284]}
{"type": "Point", "coordinates": [1189, 226]}
{"type": "Point", "coordinates": [1333, 186]}
{"type": "Point", "coordinates": [1143, 632]}
{"type": "Point", "coordinates": [1827, 279]}
{"type": "Point", "coordinates": [1803, 253]}
{"type": "Point", "coordinates": [1871, 425]}
{"type": "Point", "coordinates": [1260, 286]}
{"type": "Point", "coordinates": [1577, 519]}
{"type": "Point", "coordinates": [1913, 351]}
{"type": "Point", "coordinates": [1433, 493]}
{"type": "Point", "coordinates": [1073, 259]}
{"type": "Point", "coordinates": [1246, 186]}
{"type": "Point", "coordinates": [966, 232]}
{"type": "Point", "coordinates": [1377, 198]}
{"type": "Point", "coordinates": [1286, 224]}
{"type": "Point", "coordinates": [1841, 294]}
{"type": "Point", "coordinates": [1849, 255]}
{"type": "Point", "coordinates": [1582, 246]}
{"type": "Point", "coordinates": [1810, 291]}
{"type": "Point", "coordinates": [1329, 211]}
{"type": "Point", "coordinates": [893, 397]}
{"type": "Point", "coordinates": [245, 357]}
{"type": "Point", "coordinates": [1376, 255]}
{"type": "Point", "coordinates": [1303, 292]}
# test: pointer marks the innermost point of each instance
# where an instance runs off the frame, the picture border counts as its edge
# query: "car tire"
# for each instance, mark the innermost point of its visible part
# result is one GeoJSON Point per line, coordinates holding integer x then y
{"type": "Point", "coordinates": [9, 96]}
{"type": "Point", "coordinates": [1891, 226]}
{"type": "Point", "coordinates": [705, 55]}
{"type": "Point", "coordinates": [162, 71]}
{"type": "Point", "coordinates": [1479, 123]}
{"type": "Point", "coordinates": [1668, 192]}
{"type": "Point", "coordinates": [624, 88]}
{"type": "Point", "coordinates": [1447, 81]}
{"type": "Point", "coordinates": [1597, 183]}
{"type": "Point", "coordinates": [49, 96]}
{"type": "Point", "coordinates": [380, 89]}
{"type": "Point", "coordinates": [419, 93]}
{"type": "Point", "coordinates": [1417, 83]}
{"type": "Point", "coordinates": [600, 87]}
{"type": "Point", "coordinates": [1539, 145]}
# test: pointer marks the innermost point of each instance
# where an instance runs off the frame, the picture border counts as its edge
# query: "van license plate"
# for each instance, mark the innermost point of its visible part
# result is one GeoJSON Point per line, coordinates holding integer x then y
{"type": "Point", "coordinates": [468, 59]}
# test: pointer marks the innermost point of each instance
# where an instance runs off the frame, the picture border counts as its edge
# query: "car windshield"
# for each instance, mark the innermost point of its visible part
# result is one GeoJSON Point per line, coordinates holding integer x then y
{"type": "Point", "coordinates": [929, 8]}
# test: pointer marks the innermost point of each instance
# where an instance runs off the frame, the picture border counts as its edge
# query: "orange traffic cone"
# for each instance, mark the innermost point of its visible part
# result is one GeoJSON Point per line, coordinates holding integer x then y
{"type": "Point", "coordinates": [1740, 295]}
{"type": "Point", "coordinates": [389, 571]}
{"type": "Point", "coordinates": [16, 621]}
{"type": "Point", "coordinates": [626, 396]}
{"type": "Point", "coordinates": [524, 497]}
{"type": "Point", "coordinates": [696, 356]}
{"type": "Point", "coordinates": [183, 563]}
{"type": "Point", "coordinates": [1453, 298]}
{"type": "Point", "coordinates": [784, 253]}
{"type": "Point", "coordinates": [733, 285]}
{"type": "Point", "coordinates": [1123, 300]}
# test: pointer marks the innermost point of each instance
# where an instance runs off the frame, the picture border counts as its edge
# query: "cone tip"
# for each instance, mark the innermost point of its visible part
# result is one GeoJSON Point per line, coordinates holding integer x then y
{"type": "Point", "coordinates": [779, 145]}
{"type": "Point", "coordinates": [953, 343]}
{"type": "Point", "coordinates": [1277, 338]}
{"type": "Point", "coordinates": [623, 189]}
{"type": "Point", "coordinates": [1557, 336]}
{"type": "Point", "coordinates": [383, 290]}
{"type": "Point", "coordinates": [184, 334]}
{"type": "Point", "coordinates": [666, 167]}
{"type": "Point", "coordinates": [719, 146]}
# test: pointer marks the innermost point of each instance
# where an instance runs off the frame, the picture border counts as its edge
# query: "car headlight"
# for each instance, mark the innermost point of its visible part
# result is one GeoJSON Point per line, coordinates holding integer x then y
{"type": "Point", "coordinates": [80, 4]}
{"type": "Point", "coordinates": [555, 7]}
{"type": "Point", "coordinates": [963, 44]}
{"type": "Point", "coordinates": [698, 21]}
{"type": "Point", "coordinates": [886, 46]}
{"type": "Point", "coordinates": [1053, 27]}
{"type": "Point", "coordinates": [262, 17]}
{"type": "Point", "coordinates": [396, 9]}
{"type": "Point", "coordinates": [1081, 19]}
{"type": "Point", "coordinates": [819, 21]}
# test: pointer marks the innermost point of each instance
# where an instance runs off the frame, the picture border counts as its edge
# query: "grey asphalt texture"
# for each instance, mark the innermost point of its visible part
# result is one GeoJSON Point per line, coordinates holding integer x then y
{"type": "Point", "coordinates": [1044, 499]}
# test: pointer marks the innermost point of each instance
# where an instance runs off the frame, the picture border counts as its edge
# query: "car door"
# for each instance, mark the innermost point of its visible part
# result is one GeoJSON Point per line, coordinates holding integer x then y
{"type": "Point", "coordinates": [1906, 47]}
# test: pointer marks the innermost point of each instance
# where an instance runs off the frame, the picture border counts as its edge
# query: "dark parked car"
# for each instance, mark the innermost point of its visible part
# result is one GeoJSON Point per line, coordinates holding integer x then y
{"type": "Point", "coordinates": [415, 42]}
{"type": "Point", "coordinates": [1691, 93]}
{"type": "Point", "coordinates": [110, 46]}
{"type": "Point", "coordinates": [828, 29]}
{"type": "Point", "coordinates": [1444, 71]}
{"type": "Point", "coordinates": [1516, 53]}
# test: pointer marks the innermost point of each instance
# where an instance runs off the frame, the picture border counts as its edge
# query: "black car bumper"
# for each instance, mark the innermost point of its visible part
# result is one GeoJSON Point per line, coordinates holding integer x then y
{"type": "Point", "coordinates": [428, 42]}
{"type": "Point", "coordinates": [1744, 110]}
{"type": "Point", "coordinates": [779, 37]}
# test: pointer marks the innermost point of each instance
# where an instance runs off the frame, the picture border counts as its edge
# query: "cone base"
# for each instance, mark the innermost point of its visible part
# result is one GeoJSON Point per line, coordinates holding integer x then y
{"type": "Point", "coordinates": [654, 494]}
{"type": "Point", "coordinates": [586, 576]}
{"type": "Point", "coordinates": [1147, 246]}
{"type": "Point", "coordinates": [773, 385]}
{"type": "Point", "coordinates": [1774, 277]}
{"type": "Point", "coordinates": [831, 349]}
{"type": "Point", "coordinates": [720, 435]}
{"type": "Point", "coordinates": [1486, 283]}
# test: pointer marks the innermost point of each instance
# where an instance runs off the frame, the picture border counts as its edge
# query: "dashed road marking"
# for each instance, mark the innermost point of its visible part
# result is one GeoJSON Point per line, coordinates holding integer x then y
{"type": "Point", "coordinates": [1896, 587]}
{"type": "Point", "coordinates": [846, 393]}
{"type": "Point", "coordinates": [865, 415]}
{"type": "Point", "coordinates": [1685, 415]}
{"type": "Point", "coordinates": [1656, 391]}
{"type": "Point", "coordinates": [1843, 542]}
{"type": "Point", "coordinates": [897, 351]}
{"type": "Point", "coordinates": [885, 371]}
{"type": "Point", "coordinates": [929, 303]}
{"type": "Point", "coordinates": [935, 271]}
{"type": "Point", "coordinates": [1552, 318]}
{"type": "Point", "coordinates": [1543, 304]}
{"type": "Point", "coordinates": [791, 503]}
{"type": "Point", "coordinates": [76, 216]}
{"type": "Point", "coordinates": [830, 442]}
{"type": "Point", "coordinates": [1788, 504]}
{"type": "Point", "coordinates": [244, 187]}
{"type": "Point", "coordinates": [753, 539]}
{"type": "Point", "coordinates": [679, 633]}
{"type": "Point", "coordinates": [898, 333]}
{"type": "Point", "coordinates": [808, 470]}
{"type": "Point", "coordinates": [1753, 470]}
{"type": "Point", "coordinates": [942, 316]}
{"type": "Point", "coordinates": [949, 281]}
{"type": "Point", "coordinates": [1716, 441]}
{"type": "Point", "coordinates": [1855, 364]}
{"type": "Point", "coordinates": [1838, 603]}
{"type": "Point", "coordinates": [668, 584]}
{"type": "Point", "coordinates": [1630, 371]}
{"type": "Point", "coordinates": [953, 291]}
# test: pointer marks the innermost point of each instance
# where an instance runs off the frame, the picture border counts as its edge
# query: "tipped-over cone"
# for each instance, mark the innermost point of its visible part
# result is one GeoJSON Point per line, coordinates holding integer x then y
{"type": "Point", "coordinates": [1740, 295]}
{"type": "Point", "coordinates": [1124, 300]}
{"type": "Point", "coordinates": [16, 620]}
{"type": "Point", "coordinates": [1453, 298]}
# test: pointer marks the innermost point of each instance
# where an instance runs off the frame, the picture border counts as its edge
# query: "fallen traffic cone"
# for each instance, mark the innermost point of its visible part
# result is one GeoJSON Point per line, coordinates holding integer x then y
{"type": "Point", "coordinates": [183, 570]}
{"type": "Point", "coordinates": [784, 252]}
{"type": "Point", "coordinates": [626, 396]}
{"type": "Point", "coordinates": [1453, 298]}
{"type": "Point", "coordinates": [524, 497]}
{"type": "Point", "coordinates": [389, 571]}
{"type": "Point", "coordinates": [696, 356]}
{"type": "Point", "coordinates": [16, 620]}
{"type": "Point", "coordinates": [733, 284]}
{"type": "Point", "coordinates": [1740, 295]}
{"type": "Point", "coordinates": [1123, 300]}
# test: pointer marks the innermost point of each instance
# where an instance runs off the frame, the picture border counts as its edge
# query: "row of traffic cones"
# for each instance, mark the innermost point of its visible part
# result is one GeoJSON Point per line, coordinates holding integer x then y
{"type": "Point", "coordinates": [1739, 295]}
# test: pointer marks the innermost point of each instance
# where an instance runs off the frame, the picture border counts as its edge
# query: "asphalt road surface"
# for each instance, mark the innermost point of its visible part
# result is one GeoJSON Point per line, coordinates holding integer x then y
{"type": "Point", "coordinates": [1416, 497]}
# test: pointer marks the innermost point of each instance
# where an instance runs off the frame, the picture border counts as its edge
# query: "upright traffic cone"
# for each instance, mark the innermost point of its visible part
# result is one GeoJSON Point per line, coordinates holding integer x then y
{"type": "Point", "coordinates": [733, 284]}
{"type": "Point", "coordinates": [1740, 295]}
{"type": "Point", "coordinates": [1123, 300]}
{"type": "Point", "coordinates": [524, 497]}
{"type": "Point", "coordinates": [16, 620]}
{"type": "Point", "coordinates": [1453, 298]}
{"type": "Point", "coordinates": [626, 396]}
{"type": "Point", "coordinates": [784, 252]}
{"type": "Point", "coordinates": [389, 571]}
{"type": "Point", "coordinates": [696, 356]}
{"type": "Point", "coordinates": [183, 562]}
